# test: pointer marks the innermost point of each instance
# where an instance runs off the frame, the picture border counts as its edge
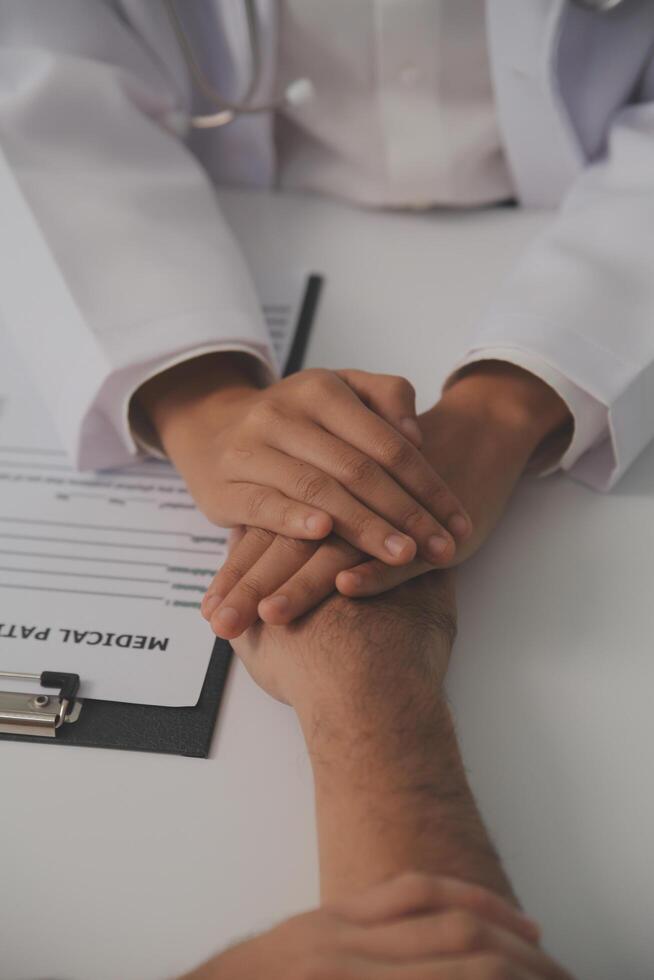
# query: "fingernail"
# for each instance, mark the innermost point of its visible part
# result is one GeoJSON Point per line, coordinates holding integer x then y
{"type": "Point", "coordinates": [411, 430]}
{"type": "Point", "coordinates": [438, 546]}
{"type": "Point", "coordinates": [351, 580]}
{"type": "Point", "coordinates": [459, 525]}
{"type": "Point", "coordinates": [278, 603]}
{"type": "Point", "coordinates": [314, 523]}
{"type": "Point", "coordinates": [227, 618]}
{"type": "Point", "coordinates": [209, 603]}
{"type": "Point", "coordinates": [396, 544]}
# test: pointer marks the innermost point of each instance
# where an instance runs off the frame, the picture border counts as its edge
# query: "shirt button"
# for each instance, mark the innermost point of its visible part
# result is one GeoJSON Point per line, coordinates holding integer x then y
{"type": "Point", "coordinates": [409, 75]}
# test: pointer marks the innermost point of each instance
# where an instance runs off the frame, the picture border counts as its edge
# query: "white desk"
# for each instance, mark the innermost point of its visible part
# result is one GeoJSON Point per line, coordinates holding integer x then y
{"type": "Point", "coordinates": [120, 866]}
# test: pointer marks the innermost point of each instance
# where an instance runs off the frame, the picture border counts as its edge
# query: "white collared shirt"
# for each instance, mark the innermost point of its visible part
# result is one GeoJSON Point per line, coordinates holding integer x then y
{"type": "Point", "coordinates": [403, 113]}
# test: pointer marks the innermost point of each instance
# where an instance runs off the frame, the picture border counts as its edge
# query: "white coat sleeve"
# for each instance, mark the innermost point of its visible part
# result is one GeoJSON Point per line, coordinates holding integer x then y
{"type": "Point", "coordinates": [115, 257]}
{"type": "Point", "coordinates": [579, 306]}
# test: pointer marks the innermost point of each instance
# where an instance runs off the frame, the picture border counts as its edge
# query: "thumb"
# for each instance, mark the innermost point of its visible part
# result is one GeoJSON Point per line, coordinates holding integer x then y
{"type": "Point", "coordinates": [390, 396]}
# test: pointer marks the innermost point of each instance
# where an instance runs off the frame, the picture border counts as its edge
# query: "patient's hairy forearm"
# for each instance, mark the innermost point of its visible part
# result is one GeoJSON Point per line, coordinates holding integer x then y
{"type": "Point", "coordinates": [391, 790]}
{"type": "Point", "coordinates": [391, 795]}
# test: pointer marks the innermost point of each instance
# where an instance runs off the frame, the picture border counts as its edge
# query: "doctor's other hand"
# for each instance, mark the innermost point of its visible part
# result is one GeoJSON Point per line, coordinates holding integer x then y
{"type": "Point", "coordinates": [411, 927]}
{"type": "Point", "coordinates": [317, 452]}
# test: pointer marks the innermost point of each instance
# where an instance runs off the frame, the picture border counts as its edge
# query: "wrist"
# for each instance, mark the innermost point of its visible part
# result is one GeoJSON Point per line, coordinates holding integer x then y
{"type": "Point", "coordinates": [385, 676]}
{"type": "Point", "coordinates": [483, 434]}
{"type": "Point", "coordinates": [378, 747]}
{"type": "Point", "coordinates": [513, 406]}
{"type": "Point", "coordinates": [208, 387]}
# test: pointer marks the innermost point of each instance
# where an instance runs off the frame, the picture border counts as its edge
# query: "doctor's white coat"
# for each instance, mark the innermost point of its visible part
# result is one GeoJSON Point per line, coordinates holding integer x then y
{"type": "Point", "coordinates": [113, 221]}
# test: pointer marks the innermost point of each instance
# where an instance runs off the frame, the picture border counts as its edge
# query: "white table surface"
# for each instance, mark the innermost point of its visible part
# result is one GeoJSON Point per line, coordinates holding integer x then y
{"type": "Point", "coordinates": [126, 866]}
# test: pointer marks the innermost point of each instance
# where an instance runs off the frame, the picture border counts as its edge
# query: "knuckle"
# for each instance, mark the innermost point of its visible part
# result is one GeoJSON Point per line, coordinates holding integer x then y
{"type": "Point", "coordinates": [232, 571]}
{"type": "Point", "coordinates": [224, 582]}
{"type": "Point", "coordinates": [395, 454]}
{"type": "Point", "coordinates": [413, 519]}
{"type": "Point", "coordinates": [464, 931]}
{"type": "Point", "coordinates": [311, 487]}
{"type": "Point", "coordinates": [232, 568]}
{"type": "Point", "coordinates": [264, 414]}
{"type": "Point", "coordinates": [438, 491]}
{"type": "Point", "coordinates": [227, 577]}
{"type": "Point", "coordinates": [251, 588]}
{"type": "Point", "coordinates": [359, 471]}
{"type": "Point", "coordinates": [260, 536]}
{"type": "Point", "coordinates": [441, 500]}
{"type": "Point", "coordinates": [255, 504]}
{"type": "Point", "coordinates": [317, 380]}
{"type": "Point", "coordinates": [360, 524]}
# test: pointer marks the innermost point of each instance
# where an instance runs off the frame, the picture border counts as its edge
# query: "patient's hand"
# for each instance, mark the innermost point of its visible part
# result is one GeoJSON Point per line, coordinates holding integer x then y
{"type": "Point", "coordinates": [359, 658]}
{"type": "Point", "coordinates": [411, 927]}
{"type": "Point", "coordinates": [366, 682]}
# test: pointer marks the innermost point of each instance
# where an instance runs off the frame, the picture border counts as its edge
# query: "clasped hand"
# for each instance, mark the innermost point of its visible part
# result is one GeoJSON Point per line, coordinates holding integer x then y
{"type": "Point", "coordinates": [326, 469]}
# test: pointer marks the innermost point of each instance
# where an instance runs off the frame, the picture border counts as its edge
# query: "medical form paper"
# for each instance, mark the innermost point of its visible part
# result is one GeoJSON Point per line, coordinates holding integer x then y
{"type": "Point", "coordinates": [102, 574]}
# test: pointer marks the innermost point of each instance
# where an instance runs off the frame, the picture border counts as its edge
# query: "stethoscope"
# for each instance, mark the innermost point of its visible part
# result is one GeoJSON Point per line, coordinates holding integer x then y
{"type": "Point", "coordinates": [298, 92]}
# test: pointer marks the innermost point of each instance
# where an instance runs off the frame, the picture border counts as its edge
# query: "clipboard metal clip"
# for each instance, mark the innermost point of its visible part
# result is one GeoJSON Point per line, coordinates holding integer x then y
{"type": "Point", "coordinates": [39, 714]}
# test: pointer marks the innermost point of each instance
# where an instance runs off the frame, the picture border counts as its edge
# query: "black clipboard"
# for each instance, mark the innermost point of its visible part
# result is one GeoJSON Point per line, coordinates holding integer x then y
{"type": "Point", "coordinates": [67, 720]}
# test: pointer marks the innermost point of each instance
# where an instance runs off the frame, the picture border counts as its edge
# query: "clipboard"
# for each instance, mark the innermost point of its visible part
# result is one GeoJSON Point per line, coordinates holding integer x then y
{"type": "Point", "coordinates": [56, 715]}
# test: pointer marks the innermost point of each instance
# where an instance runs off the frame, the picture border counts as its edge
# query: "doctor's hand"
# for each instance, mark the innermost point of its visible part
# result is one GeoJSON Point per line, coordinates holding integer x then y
{"type": "Point", "coordinates": [480, 436]}
{"type": "Point", "coordinates": [318, 452]}
{"type": "Point", "coordinates": [411, 927]}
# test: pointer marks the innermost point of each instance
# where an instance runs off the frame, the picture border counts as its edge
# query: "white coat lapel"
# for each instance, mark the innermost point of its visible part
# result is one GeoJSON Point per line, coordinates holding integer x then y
{"type": "Point", "coordinates": [561, 72]}
{"type": "Point", "coordinates": [541, 146]}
